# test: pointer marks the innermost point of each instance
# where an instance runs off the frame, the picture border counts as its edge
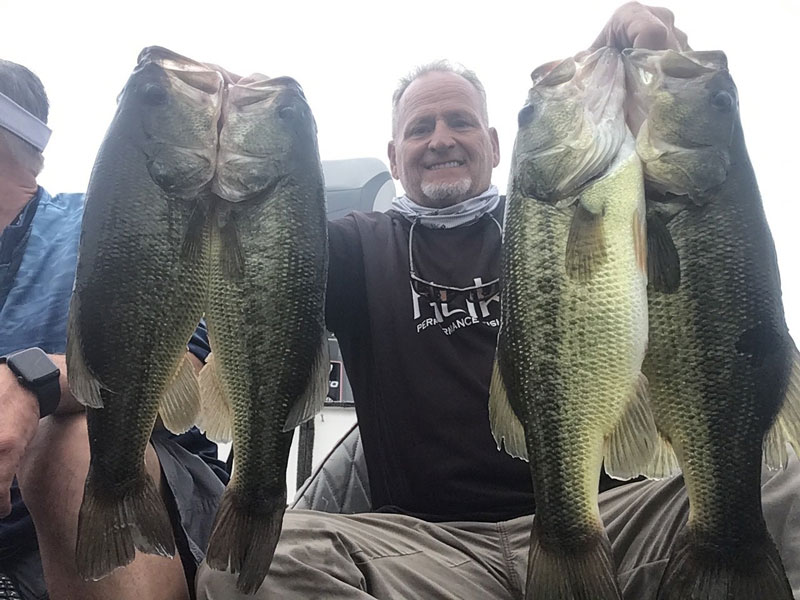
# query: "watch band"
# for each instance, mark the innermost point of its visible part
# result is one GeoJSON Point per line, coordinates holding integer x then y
{"type": "Point", "coordinates": [47, 392]}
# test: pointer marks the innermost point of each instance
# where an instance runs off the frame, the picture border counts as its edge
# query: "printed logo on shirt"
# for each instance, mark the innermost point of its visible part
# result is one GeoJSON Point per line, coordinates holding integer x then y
{"type": "Point", "coordinates": [457, 314]}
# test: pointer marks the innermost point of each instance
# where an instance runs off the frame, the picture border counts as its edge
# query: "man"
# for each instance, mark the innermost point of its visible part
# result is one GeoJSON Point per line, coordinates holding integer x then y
{"type": "Point", "coordinates": [412, 298]}
{"type": "Point", "coordinates": [49, 455]}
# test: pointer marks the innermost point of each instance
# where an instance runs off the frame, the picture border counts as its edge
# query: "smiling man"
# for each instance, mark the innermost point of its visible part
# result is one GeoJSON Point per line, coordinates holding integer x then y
{"type": "Point", "coordinates": [413, 299]}
{"type": "Point", "coordinates": [443, 149]}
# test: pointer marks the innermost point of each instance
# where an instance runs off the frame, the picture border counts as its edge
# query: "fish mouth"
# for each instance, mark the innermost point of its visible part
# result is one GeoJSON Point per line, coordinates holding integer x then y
{"type": "Point", "coordinates": [450, 164]}
{"type": "Point", "coordinates": [191, 72]}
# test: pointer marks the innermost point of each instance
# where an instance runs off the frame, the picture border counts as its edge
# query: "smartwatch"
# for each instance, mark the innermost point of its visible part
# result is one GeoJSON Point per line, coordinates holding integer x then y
{"type": "Point", "coordinates": [36, 372]}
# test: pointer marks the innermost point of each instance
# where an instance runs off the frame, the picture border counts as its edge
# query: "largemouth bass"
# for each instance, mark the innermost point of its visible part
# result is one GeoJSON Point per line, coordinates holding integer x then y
{"type": "Point", "coordinates": [567, 391]}
{"type": "Point", "coordinates": [269, 365]}
{"type": "Point", "coordinates": [723, 370]}
{"type": "Point", "coordinates": [139, 294]}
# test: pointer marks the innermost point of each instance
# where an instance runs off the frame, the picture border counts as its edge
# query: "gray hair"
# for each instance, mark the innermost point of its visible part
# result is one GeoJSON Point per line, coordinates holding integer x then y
{"type": "Point", "coordinates": [441, 66]}
{"type": "Point", "coordinates": [26, 89]}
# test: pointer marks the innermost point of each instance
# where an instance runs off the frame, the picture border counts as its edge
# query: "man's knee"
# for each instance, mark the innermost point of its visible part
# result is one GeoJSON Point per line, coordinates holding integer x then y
{"type": "Point", "coordinates": [313, 531]}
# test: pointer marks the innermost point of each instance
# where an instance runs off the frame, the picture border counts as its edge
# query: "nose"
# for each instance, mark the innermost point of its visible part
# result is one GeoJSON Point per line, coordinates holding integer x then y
{"type": "Point", "coordinates": [442, 138]}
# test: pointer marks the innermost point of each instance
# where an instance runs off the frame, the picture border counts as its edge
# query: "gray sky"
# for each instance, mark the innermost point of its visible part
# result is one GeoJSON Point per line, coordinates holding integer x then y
{"type": "Point", "coordinates": [348, 56]}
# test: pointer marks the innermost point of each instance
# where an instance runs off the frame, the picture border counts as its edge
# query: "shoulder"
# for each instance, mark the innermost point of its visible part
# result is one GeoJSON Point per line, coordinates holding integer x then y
{"type": "Point", "coordinates": [360, 224]}
{"type": "Point", "coordinates": [58, 217]}
{"type": "Point", "coordinates": [64, 208]}
{"type": "Point", "coordinates": [66, 202]}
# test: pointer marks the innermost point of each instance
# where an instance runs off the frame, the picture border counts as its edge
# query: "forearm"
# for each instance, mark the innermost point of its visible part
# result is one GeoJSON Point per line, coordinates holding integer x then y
{"type": "Point", "coordinates": [68, 403]}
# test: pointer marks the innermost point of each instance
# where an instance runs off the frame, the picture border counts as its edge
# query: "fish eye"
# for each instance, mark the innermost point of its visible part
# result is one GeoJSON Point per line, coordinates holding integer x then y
{"type": "Point", "coordinates": [287, 112]}
{"type": "Point", "coordinates": [154, 94]}
{"type": "Point", "coordinates": [525, 115]}
{"type": "Point", "coordinates": [721, 100]}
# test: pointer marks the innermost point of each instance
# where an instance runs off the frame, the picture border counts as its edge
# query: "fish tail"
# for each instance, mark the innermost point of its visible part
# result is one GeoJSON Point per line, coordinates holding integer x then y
{"type": "Point", "coordinates": [113, 523]}
{"type": "Point", "coordinates": [583, 573]}
{"type": "Point", "coordinates": [244, 538]}
{"type": "Point", "coordinates": [753, 571]}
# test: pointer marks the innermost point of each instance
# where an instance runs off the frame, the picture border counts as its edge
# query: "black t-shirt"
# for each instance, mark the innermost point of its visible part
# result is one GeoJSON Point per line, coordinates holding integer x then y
{"type": "Point", "coordinates": [420, 371]}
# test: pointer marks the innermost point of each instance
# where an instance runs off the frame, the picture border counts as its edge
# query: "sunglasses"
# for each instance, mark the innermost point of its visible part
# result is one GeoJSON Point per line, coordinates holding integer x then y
{"type": "Point", "coordinates": [436, 292]}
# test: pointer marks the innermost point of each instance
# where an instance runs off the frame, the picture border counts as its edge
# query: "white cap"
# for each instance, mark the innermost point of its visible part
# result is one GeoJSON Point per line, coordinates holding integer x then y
{"type": "Point", "coordinates": [23, 124]}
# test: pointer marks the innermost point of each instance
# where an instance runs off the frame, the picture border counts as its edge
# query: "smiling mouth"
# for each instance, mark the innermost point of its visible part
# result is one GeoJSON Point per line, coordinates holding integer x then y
{"type": "Point", "coordinates": [446, 165]}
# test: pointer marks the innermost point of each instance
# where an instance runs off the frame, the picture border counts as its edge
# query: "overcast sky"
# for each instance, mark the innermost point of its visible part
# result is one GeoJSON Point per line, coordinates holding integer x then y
{"type": "Point", "coordinates": [348, 56]}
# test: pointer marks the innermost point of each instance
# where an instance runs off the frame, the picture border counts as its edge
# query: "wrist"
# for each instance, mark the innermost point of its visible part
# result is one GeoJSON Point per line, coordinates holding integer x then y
{"type": "Point", "coordinates": [38, 375]}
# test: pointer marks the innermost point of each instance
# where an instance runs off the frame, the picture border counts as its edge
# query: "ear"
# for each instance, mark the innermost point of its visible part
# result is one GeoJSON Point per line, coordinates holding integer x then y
{"type": "Point", "coordinates": [393, 160]}
{"type": "Point", "coordinates": [495, 146]}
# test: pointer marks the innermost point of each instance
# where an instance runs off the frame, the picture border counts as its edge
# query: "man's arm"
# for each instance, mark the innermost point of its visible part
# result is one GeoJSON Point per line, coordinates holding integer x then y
{"type": "Point", "coordinates": [20, 421]}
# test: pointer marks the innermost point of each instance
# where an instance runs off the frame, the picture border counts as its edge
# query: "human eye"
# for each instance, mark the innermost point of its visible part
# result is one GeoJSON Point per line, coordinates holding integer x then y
{"type": "Point", "coordinates": [418, 129]}
{"type": "Point", "coordinates": [460, 121]}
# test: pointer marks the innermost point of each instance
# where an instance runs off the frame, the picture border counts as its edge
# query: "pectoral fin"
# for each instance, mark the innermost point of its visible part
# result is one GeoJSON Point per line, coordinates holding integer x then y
{"type": "Point", "coordinates": [664, 462]}
{"type": "Point", "coordinates": [631, 445]}
{"type": "Point", "coordinates": [82, 383]}
{"type": "Point", "coordinates": [231, 257]}
{"type": "Point", "coordinates": [195, 239]}
{"type": "Point", "coordinates": [506, 427]}
{"type": "Point", "coordinates": [180, 405]}
{"type": "Point", "coordinates": [216, 414]}
{"type": "Point", "coordinates": [663, 263]}
{"type": "Point", "coordinates": [313, 399]}
{"type": "Point", "coordinates": [586, 244]}
{"type": "Point", "coordinates": [786, 428]}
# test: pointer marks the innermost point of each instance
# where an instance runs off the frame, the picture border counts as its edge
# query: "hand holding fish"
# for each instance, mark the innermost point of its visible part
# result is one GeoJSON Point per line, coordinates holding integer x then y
{"type": "Point", "coordinates": [17, 427]}
{"type": "Point", "coordinates": [635, 25]}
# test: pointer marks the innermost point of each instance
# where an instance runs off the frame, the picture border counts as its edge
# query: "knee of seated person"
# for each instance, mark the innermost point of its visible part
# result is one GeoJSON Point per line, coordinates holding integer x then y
{"type": "Point", "coordinates": [54, 466]}
{"type": "Point", "coordinates": [303, 526]}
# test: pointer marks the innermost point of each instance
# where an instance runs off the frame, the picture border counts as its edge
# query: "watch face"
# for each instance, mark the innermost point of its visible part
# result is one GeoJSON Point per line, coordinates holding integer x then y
{"type": "Point", "coordinates": [33, 365]}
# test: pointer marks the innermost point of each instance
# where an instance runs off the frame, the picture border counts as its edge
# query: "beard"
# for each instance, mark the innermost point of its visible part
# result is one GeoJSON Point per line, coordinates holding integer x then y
{"type": "Point", "coordinates": [444, 194]}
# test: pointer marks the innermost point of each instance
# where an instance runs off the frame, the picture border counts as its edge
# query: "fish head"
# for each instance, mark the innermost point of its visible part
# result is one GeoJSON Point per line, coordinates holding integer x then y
{"type": "Point", "coordinates": [684, 110]}
{"type": "Point", "coordinates": [571, 126]}
{"type": "Point", "coordinates": [268, 134]}
{"type": "Point", "coordinates": [170, 109]}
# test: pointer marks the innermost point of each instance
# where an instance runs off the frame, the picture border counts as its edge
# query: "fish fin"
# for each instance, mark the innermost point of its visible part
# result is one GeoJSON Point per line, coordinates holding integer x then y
{"type": "Point", "coordinates": [664, 462]}
{"type": "Point", "coordinates": [114, 523]}
{"type": "Point", "coordinates": [586, 244]}
{"type": "Point", "coordinates": [180, 404]}
{"type": "Point", "coordinates": [244, 537]}
{"type": "Point", "coordinates": [583, 573]}
{"type": "Point", "coordinates": [216, 412]}
{"type": "Point", "coordinates": [83, 385]}
{"type": "Point", "coordinates": [663, 262]}
{"type": "Point", "coordinates": [752, 571]}
{"type": "Point", "coordinates": [681, 65]}
{"type": "Point", "coordinates": [786, 427]}
{"type": "Point", "coordinates": [313, 399]}
{"type": "Point", "coordinates": [639, 226]}
{"type": "Point", "coordinates": [195, 238]}
{"type": "Point", "coordinates": [630, 446]}
{"type": "Point", "coordinates": [231, 258]}
{"type": "Point", "coordinates": [506, 427]}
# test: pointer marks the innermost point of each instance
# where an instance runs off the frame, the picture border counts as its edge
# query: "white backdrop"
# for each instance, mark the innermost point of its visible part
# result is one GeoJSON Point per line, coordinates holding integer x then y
{"type": "Point", "coordinates": [348, 55]}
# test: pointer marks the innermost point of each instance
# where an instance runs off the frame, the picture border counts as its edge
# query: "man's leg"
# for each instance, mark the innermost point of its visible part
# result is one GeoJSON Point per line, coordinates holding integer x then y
{"type": "Point", "coordinates": [390, 557]}
{"type": "Point", "coordinates": [51, 479]}
{"type": "Point", "coordinates": [642, 520]}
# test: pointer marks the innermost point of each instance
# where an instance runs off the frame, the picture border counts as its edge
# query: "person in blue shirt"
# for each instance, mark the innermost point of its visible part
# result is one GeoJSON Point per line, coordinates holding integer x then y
{"type": "Point", "coordinates": [45, 458]}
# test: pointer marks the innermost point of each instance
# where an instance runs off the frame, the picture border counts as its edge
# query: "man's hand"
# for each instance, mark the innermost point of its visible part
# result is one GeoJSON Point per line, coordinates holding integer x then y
{"type": "Point", "coordinates": [635, 25]}
{"type": "Point", "coordinates": [19, 421]}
